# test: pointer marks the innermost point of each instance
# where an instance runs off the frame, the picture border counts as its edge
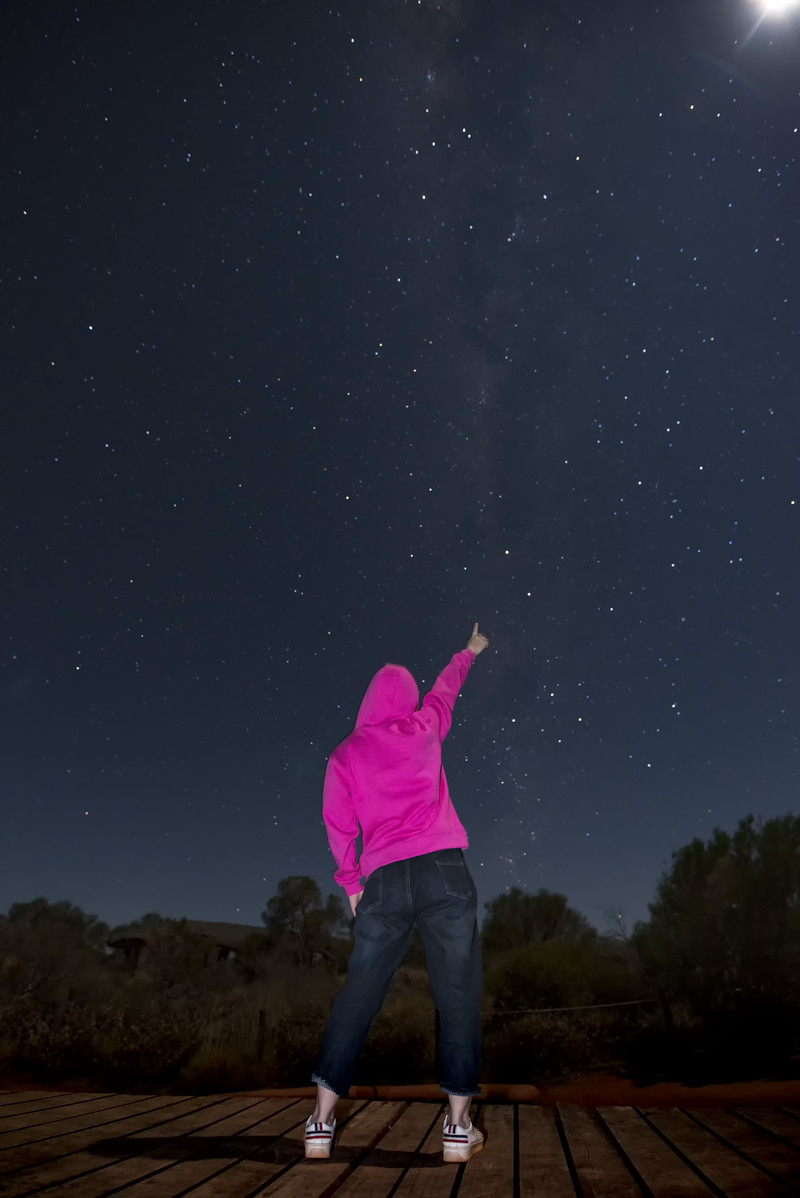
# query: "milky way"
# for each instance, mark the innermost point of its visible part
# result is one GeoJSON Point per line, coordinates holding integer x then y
{"type": "Point", "coordinates": [332, 331]}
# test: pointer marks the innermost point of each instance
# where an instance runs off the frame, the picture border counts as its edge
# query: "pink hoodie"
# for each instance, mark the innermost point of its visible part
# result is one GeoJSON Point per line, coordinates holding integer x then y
{"type": "Point", "coordinates": [387, 778]}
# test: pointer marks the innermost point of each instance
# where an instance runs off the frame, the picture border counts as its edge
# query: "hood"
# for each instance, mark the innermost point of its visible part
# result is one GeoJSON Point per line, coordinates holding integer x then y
{"type": "Point", "coordinates": [391, 695]}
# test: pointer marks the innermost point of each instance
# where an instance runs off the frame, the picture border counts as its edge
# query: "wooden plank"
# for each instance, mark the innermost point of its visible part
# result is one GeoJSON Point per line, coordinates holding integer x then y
{"type": "Point", "coordinates": [54, 1160]}
{"type": "Point", "coordinates": [55, 1103]}
{"type": "Point", "coordinates": [771, 1153]}
{"type": "Point", "coordinates": [224, 1147]}
{"type": "Point", "coordinates": [9, 1098]}
{"type": "Point", "coordinates": [310, 1179]}
{"type": "Point", "coordinates": [209, 1152]}
{"type": "Point", "coordinates": [386, 1163]}
{"type": "Point", "coordinates": [721, 1166]}
{"type": "Point", "coordinates": [778, 1122]}
{"type": "Point", "coordinates": [601, 1170]}
{"type": "Point", "coordinates": [490, 1174]}
{"type": "Point", "coordinates": [17, 1139]}
{"type": "Point", "coordinates": [145, 1152]}
{"type": "Point", "coordinates": [427, 1176]}
{"type": "Point", "coordinates": [664, 1173]}
{"type": "Point", "coordinates": [45, 1119]}
{"type": "Point", "coordinates": [543, 1169]}
{"type": "Point", "coordinates": [278, 1153]}
{"type": "Point", "coordinates": [50, 1097]}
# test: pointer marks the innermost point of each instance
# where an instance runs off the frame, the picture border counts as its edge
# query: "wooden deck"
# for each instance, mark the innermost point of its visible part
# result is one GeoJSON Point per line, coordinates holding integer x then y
{"type": "Point", "coordinates": [94, 1145]}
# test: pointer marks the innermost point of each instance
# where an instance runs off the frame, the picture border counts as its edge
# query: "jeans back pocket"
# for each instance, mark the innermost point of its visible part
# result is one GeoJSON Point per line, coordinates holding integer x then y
{"type": "Point", "coordinates": [455, 876]}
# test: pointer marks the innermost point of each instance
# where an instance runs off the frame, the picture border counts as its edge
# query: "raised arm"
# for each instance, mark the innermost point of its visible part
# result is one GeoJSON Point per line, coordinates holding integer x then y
{"type": "Point", "coordinates": [439, 701]}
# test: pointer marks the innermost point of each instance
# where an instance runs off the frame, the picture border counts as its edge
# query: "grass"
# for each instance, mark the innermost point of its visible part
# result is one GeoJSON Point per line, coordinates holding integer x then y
{"type": "Point", "coordinates": [256, 1037]}
{"type": "Point", "coordinates": [115, 1033]}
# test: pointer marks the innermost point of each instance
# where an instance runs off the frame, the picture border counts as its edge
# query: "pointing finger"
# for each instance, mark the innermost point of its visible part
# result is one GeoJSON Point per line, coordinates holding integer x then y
{"type": "Point", "coordinates": [475, 629]}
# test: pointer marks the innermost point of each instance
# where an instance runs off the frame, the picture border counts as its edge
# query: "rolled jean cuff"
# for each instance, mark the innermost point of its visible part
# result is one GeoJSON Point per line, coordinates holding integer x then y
{"type": "Point", "coordinates": [454, 1093]}
{"type": "Point", "coordinates": [320, 1081]}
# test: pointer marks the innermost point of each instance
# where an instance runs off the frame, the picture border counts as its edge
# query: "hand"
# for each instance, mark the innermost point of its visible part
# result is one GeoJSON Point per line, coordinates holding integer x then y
{"type": "Point", "coordinates": [355, 899]}
{"type": "Point", "coordinates": [477, 642]}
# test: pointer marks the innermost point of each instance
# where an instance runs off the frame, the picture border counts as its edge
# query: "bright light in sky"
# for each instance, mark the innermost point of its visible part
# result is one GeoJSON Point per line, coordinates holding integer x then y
{"type": "Point", "coordinates": [770, 8]}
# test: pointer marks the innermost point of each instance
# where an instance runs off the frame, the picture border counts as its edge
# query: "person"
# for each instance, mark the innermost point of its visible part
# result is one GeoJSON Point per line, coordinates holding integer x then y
{"type": "Point", "coordinates": [386, 781]}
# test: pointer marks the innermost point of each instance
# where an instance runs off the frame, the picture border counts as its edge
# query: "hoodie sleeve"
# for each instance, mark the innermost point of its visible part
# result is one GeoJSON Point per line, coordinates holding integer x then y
{"type": "Point", "coordinates": [341, 824]}
{"type": "Point", "coordinates": [437, 706]}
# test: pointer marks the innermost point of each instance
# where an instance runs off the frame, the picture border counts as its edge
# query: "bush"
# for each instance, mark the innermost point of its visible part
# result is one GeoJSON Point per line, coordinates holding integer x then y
{"type": "Point", "coordinates": [697, 1051]}
{"type": "Point", "coordinates": [213, 1071]}
{"type": "Point", "coordinates": [113, 1044]}
{"type": "Point", "coordinates": [537, 1047]}
{"type": "Point", "coordinates": [297, 1043]}
{"type": "Point", "coordinates": [540, 975]}
{"type": "Point", "coordinates": [401, 1047]}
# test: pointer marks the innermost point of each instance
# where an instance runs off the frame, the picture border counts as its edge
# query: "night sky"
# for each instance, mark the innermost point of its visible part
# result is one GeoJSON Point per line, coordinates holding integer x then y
{"type": "Point", "coordinates": [331, 330]}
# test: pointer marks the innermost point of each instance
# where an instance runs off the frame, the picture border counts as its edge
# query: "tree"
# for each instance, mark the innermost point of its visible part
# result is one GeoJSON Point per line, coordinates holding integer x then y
{"type": "Point", "coordinates": [724, 929]}
{"type": "Point", "coordinates": [516, 919]}
{"type": "Point", "coordinates": [543, 974]}
{"type": "Point", "coordinates": [46, 946]}
{"type": "Point", "coordinates": [171, 957]}
{"type": "Point", "coordinates": [301, 925]}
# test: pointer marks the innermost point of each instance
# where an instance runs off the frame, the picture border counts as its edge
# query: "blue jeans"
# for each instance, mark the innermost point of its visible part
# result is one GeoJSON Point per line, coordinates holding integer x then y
{"type": "Point", "coordinates": [436, 892]}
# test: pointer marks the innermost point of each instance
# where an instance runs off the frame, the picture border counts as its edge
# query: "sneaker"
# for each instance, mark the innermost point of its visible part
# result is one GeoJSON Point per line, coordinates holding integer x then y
{"type": "Point", "coordinates": [460, 1143]}
{"type": "Point", "coordinates": [318, 1139]}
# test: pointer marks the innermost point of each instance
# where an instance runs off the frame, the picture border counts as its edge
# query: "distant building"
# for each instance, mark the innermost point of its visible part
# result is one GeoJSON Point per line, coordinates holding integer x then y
{"type": "Point", "coordinates": [222, 940]}
{"type": "Point", "coordinates": [226, 938]}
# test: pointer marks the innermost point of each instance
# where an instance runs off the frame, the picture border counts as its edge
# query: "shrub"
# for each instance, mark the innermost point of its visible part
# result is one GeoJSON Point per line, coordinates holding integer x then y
{"type": "Point", "coordinates": [540, 975]}
{"type": "Point", "coordinates": [539, 1046]}
{"type": "Point", "coordinates": [214, 1071]}
{"type": "Point", "coordinates": [111, 1043]}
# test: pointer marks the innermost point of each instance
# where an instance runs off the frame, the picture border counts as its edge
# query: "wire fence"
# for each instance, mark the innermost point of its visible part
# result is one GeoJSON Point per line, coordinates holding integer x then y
{"type": "Point", "coordinates": [248, 1032]}
{"type": "Point", "coordinates": [595, 1006]}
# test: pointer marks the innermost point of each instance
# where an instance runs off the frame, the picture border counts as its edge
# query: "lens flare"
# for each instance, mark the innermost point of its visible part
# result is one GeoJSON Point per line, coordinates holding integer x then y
{"type": "Point", "coordinates": [769, 10]}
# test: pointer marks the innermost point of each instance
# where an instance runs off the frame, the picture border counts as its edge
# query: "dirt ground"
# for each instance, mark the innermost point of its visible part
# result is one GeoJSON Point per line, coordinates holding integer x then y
{"type": "Point", "coordinates": [597, 1091]}
{"type": "Point", "coordinates": [588, 1091]}
{"type": "Point", "coordinates": [618, 1091]}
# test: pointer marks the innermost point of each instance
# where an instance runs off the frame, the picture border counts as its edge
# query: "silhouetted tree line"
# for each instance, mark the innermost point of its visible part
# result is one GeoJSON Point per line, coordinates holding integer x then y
{"type": "Point", "coordinates": [721, 951]}
{"type": "Point", "coordinates": [724, 930]}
